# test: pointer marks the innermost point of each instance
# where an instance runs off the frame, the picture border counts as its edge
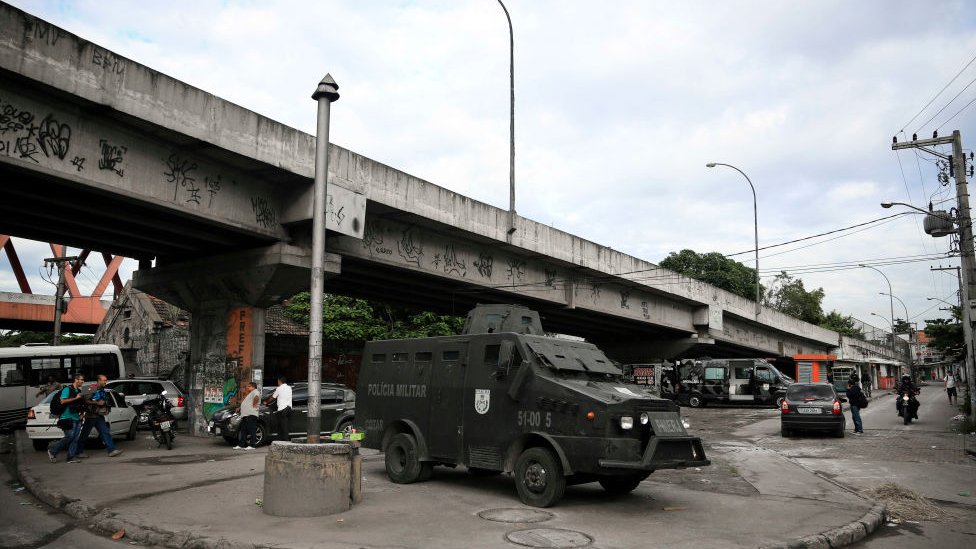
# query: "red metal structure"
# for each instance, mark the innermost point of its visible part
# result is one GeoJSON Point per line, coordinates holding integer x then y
{"type": "Point", "coordinates": [27, 311]}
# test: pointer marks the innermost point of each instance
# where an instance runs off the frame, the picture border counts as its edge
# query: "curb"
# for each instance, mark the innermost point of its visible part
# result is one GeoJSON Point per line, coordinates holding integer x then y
{"type": "Point", "coordinates": [106, 521]}
{"type": "Point", "coordinates": [843, 535]}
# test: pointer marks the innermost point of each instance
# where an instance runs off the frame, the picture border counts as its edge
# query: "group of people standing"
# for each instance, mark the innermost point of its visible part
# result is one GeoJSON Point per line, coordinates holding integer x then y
{"type": "Point", "coordinates": [84, 410]}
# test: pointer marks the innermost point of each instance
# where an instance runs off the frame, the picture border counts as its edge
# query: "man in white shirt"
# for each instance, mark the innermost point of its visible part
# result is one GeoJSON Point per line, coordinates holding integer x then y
{"type": "Point", "coordinates": [282, 395]}
{"type": "Point", "coordinates": [950, 387]}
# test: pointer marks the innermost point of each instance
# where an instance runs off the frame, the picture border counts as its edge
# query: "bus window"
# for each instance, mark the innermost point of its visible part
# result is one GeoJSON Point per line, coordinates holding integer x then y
{"type": "Point", "coordinates": [43, 367]}
{"type": "Point", "coordinates": [11, 375]}
{"type": "Point", "coordinates": [91, 366]}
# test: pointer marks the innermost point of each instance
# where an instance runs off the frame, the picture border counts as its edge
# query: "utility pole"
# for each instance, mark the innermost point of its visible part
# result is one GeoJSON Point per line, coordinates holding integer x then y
{"type": "Point", "coordinates": [59, 305]}
{"type": "Point", "coordinates": [957, 163]}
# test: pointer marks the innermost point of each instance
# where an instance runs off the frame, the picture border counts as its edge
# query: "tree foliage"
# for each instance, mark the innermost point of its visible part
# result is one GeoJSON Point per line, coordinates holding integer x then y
{"type": "Point", "coordinates": [715, 269]}
{"type": "Point", "coordinates": [16, 338]}
{"type": "Point", "coordinates": [946, 335]}
{"type": "Point", "coordinates": [844, 325]}
{"type": "Point", "coordinates": [788, 296]}
{"type": "Point", "coordinates": [351, 319]}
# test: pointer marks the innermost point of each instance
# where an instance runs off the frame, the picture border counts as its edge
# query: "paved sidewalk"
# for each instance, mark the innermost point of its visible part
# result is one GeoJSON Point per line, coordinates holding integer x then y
{"type": "Point", "coordinates": [202, 494]}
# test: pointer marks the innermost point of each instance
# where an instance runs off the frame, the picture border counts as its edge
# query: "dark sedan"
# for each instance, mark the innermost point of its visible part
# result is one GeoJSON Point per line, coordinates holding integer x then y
{"type": "Point", "coordinates": [338, 409]}
{"type": "Point", "coordinates": [812, 407]}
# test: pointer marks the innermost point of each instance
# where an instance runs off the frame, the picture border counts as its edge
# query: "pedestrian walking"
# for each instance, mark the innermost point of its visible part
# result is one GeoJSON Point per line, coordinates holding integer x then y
{"type": "Point", "coordinates": [99, 406]}
{"type": "Point", "coordinates": [69, 421]}
{"type": "Point", "coordinates": [282, 397]}
{"type": "Point", "coordinates": [866, 384]}
{"type": "Point", "coordinates": [857, 401]}
{"type": "Point", "coordinates": [950, 387]}
{"type": "Point", "coordinates": [249, 417]}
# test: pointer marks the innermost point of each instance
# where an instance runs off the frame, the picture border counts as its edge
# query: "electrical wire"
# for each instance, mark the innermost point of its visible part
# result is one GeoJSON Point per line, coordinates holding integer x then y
{"type": "Point", "coordinates": [957, 114]}
{"type": "Point", "coordinates": [940, 93]}
{"type": "Point", "coordinates": [821, 234]}
{"type": "Point", "coordinates": [946, 106]}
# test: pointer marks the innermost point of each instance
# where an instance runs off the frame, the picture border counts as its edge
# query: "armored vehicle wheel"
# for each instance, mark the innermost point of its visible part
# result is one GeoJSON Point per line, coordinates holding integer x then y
{"type": "Point", "coordinates": [131, 435]}
{"type": "Point", "coordinates": [403, 464]}
{"type": "Point", "coordinates": [539, 477]}
{"type": "Point", "coordinates": [618, 485]}
{"type": "Point", "coordinates": [696, 400]}
{"type": "Point", "coordinates": [479, 472]}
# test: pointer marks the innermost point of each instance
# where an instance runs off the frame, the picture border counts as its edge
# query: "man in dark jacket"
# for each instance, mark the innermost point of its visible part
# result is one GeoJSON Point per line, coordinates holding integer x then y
{"type": "Point", "coordinates": [856, 398]}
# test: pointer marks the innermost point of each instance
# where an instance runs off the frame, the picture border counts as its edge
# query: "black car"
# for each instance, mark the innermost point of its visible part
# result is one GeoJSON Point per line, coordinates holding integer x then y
{"type": "Point", "coordinates": [812, 407]}
{"type": "Point", "coordinates": [338, 410]}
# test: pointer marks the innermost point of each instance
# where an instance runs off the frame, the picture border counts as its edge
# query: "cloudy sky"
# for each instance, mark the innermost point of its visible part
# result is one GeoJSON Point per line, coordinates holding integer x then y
{"type": "Point", "coordinates": [619, 105]}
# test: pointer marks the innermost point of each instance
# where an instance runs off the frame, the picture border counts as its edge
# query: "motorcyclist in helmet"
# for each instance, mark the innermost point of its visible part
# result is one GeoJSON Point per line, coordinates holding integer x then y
{"type": "Point", "coordinates": [906, 386]}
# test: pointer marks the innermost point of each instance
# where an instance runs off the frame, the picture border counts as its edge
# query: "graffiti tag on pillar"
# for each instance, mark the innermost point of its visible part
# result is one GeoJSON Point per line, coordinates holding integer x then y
{"type": "Point", "coordinates": [410, 251]}
{"type": "Point", "coordinates": [264, 213]}
{"type": "Point", "coordinates": [484, 264]}
{"type": "Point", "coordinates": [78, 162]}
{"type": "Point", "coordinates": [451, 262]}
{"type": "Point", "coordinates": [213, 187]}
{"type": "Point", "coordinates": [373, 239]}
{"type": "Point", "coordinates": [111, 157]}
{"type": "Point", "coordinates": [624, 298]}
{"type": "Point", "coordinates": [337, 216]}
{"type": "Point", "coordinates": [54, 137]}
{"type": "Point", "coordinates": [645, 310]}
{"type": "Point", "coordinates": [26, 149]}
{"type": "Point", "coordinates": [515, 270]}
{"type": "Point", "coordinates": [13, 119]}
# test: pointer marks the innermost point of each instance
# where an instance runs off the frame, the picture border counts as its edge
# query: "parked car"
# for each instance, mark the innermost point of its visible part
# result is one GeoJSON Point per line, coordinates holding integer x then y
{"type": "Point", "coordinates": [136, 391]}
{"type": "Point", "coordinates": [812, 407]}
{"type": "Point", "coordinates": [338, 410]}
{"type": "Point", "coordinates": [42, 426]}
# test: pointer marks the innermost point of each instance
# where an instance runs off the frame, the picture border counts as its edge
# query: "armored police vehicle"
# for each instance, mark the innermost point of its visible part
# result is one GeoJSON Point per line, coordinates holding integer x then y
{"type": "Point", "coordinates": [503, 397]}
{"type": "Point", "coordinates": [747, 381]}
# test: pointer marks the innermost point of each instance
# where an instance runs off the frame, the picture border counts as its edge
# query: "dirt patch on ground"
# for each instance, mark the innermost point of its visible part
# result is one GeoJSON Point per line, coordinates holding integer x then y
{"type": "Point", "coordinates": [905, 504]}
{"type": "Point", "coordinates": [721, 476]}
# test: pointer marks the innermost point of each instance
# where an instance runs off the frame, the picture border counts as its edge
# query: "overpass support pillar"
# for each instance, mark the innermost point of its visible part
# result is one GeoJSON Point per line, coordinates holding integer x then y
{"type": "Point", "coordinates": [227, 296]}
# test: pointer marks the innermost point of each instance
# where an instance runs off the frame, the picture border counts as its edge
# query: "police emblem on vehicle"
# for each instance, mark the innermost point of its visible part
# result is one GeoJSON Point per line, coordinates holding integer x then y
{"type": "Point", "coordinates": [482, 400]}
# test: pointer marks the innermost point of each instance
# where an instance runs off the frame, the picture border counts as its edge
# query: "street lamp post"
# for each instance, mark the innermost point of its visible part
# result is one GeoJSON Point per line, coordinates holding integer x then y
{"type": "Point", "coordinates": [891, 303]}
{"type": "Point", "coordinates": [908, 352]}
{"type": "Point", "coordinates": [755, 222]}
{"type": "Point", "coordinates": [511, 125]}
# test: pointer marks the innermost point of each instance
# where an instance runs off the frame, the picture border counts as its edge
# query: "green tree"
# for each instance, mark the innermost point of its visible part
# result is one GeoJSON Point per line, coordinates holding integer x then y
{"type": "Point", "coordinates": [787, 295]}
{"type": "Point", "coordinates": [352, 319]}
{"type": "Point", "coordinates": [946, 335]}
{"type": "Point", "coordinates": [715, 269]}
{"type": "Point", "coordinates": [844, 325]}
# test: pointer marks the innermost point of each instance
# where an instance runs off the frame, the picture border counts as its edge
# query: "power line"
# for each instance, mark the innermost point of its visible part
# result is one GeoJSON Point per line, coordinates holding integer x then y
{"type": "Point", "coordinates": [946, 106]}
{"type": "Point", "coordinates": [821, 234]}
{"type": "Point", "coordinates": [940, 93]}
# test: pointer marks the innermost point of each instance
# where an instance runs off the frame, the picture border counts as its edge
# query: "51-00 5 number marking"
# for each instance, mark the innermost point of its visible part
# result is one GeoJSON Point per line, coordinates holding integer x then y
{"type": "Point", "coordinates": [533, 418]}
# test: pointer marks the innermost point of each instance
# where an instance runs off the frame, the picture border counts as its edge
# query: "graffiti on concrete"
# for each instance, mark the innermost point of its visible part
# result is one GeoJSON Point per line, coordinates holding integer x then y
{"type": "Point", "coordinates": [22, 138]}
{"type": "Point", "coordinates": [645, 310]}
{"type": "Point", "coordinates": [484, 263]}
{"type": "Point", "coordinates": [337, 216]}
{"type": "Point", "coordinates": [42, 31]}
{"type": "Point", "coordinates": [264, 213]}
{"type": "Point", "coordinates": [452, 264]}
{"type": "Point", "coordinates": [551, 277]}
{"type": "Point", "coordinates": [179, 172]}
{"type": "Point", "coordinates": [53, 137]}
{"type": "Point", "coordinates": [624, 298]}
{"type": "Point", "coordinates": [515, 270]}
{"type": "Point", "coordinates": [111, 157]}
{"type": "Point", "coordinates": [213, 187]}
{"type": "Point", "coordinates": [13, 119]}
{"type": "Point", "coordinates": [373, 239]}
{"type": "Point", "coordinates": [410, 251]}
{"type": "Point", "coordinates": [78, 162]}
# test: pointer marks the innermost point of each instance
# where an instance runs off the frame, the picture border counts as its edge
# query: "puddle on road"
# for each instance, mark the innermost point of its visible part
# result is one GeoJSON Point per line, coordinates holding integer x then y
{"type": "Point", "coordinates": [179, 459]}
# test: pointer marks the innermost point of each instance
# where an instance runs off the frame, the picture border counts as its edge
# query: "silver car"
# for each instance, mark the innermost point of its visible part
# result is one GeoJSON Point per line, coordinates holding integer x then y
{"type": "Point", "coordinates": [137, 390]}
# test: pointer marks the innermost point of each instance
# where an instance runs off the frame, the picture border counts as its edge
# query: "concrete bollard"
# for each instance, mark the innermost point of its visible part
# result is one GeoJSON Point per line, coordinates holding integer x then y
{"type": "Point", "coordinates": [307, 480]}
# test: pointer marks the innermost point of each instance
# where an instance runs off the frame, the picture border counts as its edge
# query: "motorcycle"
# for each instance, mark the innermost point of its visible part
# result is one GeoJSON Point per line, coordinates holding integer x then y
{"type": "Point", "coordinates": [907, 406]}
{"type": "Point", "coordinates": [156, 414]}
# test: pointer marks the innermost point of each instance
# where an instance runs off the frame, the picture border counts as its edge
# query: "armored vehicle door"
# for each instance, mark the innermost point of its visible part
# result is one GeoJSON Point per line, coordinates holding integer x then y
{"type": "Point", "coordinates": [490, 414]}
{"type": "Point", "coordinates": [448, 363]}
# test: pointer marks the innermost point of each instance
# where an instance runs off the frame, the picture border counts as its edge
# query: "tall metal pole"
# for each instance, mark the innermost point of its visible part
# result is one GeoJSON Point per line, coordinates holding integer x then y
{"type": "Point", "coordinates": [755, 223]}
{"type": "Point", "coordinates": [325, 94]}
{"type": "Point", "coordinates": [59, 261]}
{"type": "Point", "coordinates": [910, 360]}
{"type": "Point", "coordinates": [968, 260]}
{"type": "Point", "coordinates": [511, 125]}
{"type": "Point", "coordinates": [891, 305]}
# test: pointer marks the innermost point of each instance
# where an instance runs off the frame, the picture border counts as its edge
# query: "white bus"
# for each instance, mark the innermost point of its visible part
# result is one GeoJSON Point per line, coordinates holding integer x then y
{"type": "Point", "coordinates": [24, 370]}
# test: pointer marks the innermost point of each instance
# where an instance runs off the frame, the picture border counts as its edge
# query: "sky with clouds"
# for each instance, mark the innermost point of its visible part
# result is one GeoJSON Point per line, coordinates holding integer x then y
{"type": "Point", "coordinates": [619, 106]}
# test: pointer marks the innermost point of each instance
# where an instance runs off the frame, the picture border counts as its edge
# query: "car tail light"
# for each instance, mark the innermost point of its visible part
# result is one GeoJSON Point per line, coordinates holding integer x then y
{"type": "Point", "coordinates": [180, 402]}
{"type": "Point", "coordinates": [785, 408]}
{"type": "Point", "coordinates": [30, 414]}
{"type": "Point", "coordinates": [836, 407]}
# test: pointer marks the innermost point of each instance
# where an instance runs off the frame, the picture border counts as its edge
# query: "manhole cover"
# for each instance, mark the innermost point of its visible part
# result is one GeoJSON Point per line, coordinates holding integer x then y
{"type": "Point", "coordinates": [549, 537]}
{"type": "Point", "coordinates": [515, 515]}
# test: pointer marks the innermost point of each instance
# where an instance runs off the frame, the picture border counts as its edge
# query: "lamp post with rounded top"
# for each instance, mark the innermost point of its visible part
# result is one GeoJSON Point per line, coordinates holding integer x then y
{"type": "Point", "coordinates": [891, 303]}
{"type": "Point", "coordinates": [908, 353]}
{"type": "Point", "coordinates": [755, 222]}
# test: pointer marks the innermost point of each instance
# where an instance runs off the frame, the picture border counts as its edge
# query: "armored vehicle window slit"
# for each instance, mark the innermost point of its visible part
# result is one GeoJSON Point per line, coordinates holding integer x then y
{"type": "Point", "coordinates": [451, 356]}
{"type": "Point", "coordinates": [401, 357]}
{"type": "Point", "coordinates": [379, 357]}
{"type": "Point", "coordinates": [423, 357]}
{"type": "Point", "coordinates": [491, 355]}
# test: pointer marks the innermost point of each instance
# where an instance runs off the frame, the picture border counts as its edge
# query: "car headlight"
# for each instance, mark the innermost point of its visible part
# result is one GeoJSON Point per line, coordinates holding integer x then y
{"type": "Point", "coordinates": [685, 424]}
{"type": "Point", "coordinates": [626, 422]}
{"type": "Point", "coordinates": [644, 418]}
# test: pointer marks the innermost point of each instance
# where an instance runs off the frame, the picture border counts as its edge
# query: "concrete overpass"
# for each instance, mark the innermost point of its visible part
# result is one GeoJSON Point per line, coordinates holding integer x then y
{"type": "Point", "coordinates": [98, 151]}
